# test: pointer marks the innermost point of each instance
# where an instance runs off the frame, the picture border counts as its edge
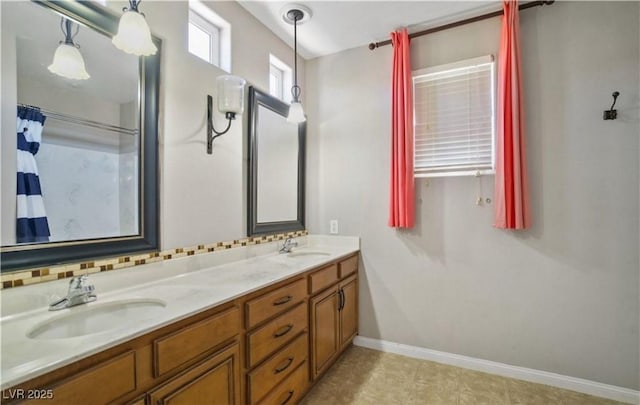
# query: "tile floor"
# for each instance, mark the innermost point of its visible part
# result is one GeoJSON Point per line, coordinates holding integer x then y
{"type": "Point", "coordinates": [364, 376]}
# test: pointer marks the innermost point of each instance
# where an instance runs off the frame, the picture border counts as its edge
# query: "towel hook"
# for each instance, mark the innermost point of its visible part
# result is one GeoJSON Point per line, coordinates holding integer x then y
{"type": "Point", "coordinates": [612, 114]}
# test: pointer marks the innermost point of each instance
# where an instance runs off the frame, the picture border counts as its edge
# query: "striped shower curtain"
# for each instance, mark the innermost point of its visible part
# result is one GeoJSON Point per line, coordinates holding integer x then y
{"type": "Point", "coordinates": [31, 224]}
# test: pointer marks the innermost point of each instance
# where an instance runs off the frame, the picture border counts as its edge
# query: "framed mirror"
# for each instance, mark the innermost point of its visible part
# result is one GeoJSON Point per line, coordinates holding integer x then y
{"type": "Point", "coordinates": [276, 167]}
{"type": "Point", "coordinates": [79, 175]}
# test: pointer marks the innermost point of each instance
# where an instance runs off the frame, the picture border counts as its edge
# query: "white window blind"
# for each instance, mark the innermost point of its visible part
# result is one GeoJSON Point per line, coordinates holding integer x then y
{"type": "Point", "coordinates": [454, 118]}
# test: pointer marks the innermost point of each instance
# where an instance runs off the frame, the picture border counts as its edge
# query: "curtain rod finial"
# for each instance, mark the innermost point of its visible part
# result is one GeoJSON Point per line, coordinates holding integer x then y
{"type": "Point", "coordinates": [373, 46]}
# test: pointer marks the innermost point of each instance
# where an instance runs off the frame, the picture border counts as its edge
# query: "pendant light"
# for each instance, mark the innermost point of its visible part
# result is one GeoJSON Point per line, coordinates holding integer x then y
{"type": "Point", "coordinates": [133, 35]}
{"type": "Point", "coordinates": [67, 60]}
{"type": "Point", "coordinates": [295, 14]}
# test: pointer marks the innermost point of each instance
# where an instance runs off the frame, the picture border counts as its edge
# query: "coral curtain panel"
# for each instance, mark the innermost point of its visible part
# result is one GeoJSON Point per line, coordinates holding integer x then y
{"type": "Point", "coordinates": [511, 197]}
{"type": "Point", "coordinates": [401, 210]}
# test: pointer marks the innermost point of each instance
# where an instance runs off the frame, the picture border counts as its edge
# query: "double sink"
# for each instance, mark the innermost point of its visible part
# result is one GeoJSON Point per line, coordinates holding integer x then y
{"type": "Point", "coordinates": [88, 319]}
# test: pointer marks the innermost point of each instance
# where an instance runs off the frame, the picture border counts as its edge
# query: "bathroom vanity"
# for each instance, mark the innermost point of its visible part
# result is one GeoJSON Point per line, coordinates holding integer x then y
{"type": "Point", "coordinates": [283, 320]}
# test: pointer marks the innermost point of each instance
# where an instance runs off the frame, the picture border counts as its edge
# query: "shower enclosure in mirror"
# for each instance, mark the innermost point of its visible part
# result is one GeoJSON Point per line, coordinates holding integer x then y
{"type": "Point", "coordinates": [79, 169]}
{"type": "Point", "coordinates": [276, 167]}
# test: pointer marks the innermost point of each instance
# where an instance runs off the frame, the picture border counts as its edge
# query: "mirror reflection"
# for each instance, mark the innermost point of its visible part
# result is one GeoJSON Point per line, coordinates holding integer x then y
{"type": "Point", "coordinates": [277, 198]}
{"type": "Point", "coordinates": [276, 167]}
{"type": "Point", "coordinates": [71, 165]}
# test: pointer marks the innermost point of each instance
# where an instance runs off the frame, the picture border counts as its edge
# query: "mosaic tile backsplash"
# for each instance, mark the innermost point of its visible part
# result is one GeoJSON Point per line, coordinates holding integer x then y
{"type": "Point", "coordinates": [42, 274]}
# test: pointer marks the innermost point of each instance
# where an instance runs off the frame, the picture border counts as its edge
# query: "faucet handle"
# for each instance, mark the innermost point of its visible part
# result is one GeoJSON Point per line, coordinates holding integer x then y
{"type": "Point", "coordinates": [80, 283]}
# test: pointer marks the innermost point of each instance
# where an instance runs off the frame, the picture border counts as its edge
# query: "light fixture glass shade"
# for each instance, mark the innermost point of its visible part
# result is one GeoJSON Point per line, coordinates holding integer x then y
{"type": "Point", "coordinates": [296, 113]}
{"type": "Point", "coordinates": [68, 62]}
{"type": "Point", "coordinates": [133, 35]}
{"type": "Point", "coordinates": [231, 94]}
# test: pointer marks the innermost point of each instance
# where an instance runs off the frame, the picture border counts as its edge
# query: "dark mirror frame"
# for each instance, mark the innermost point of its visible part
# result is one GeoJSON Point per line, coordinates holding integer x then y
{"type": "Point", "coordinates": [259, 98]}
{"type": "Point", "coordinates": [17, 257]}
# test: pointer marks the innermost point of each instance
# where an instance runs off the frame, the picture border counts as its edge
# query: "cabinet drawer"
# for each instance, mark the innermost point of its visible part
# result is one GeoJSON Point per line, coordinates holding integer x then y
{"type": "Point", "coordinates": [186, 344]}
{"type": "Point", "coordinates": [291, 390]}
{"type": "Point", "coordinates": [323, 278]}
{"type": "Point", "coordinates": [215, 380]}
{"type": "Point", "coordinates": [348, 266]}
{"type": "Point", "coordinates": [276, 334]}
{"type": "Point", "coordinates": [272, 303]}
{"type": "Point", "coordinates": [101, 384]}
{"type": "Point", "coordinates": [277, 368]}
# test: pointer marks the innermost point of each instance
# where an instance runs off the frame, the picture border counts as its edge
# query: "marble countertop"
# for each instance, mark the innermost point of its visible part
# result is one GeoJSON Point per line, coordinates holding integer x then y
{"type": "Point", "coordinates": [187, 286]}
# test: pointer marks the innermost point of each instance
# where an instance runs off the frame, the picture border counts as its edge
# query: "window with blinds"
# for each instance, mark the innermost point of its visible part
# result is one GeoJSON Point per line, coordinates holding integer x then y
{"type": "Point", "coordinates": [454, 118]}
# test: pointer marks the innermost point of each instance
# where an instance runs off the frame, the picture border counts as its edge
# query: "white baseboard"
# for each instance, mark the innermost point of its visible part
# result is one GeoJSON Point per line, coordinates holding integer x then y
{"type": "Point", "coordinates": [536, 376]}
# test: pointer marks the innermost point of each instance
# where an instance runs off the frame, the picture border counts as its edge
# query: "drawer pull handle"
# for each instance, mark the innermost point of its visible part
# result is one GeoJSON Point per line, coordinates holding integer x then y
{"type": "Point", "coordinates": [283, 331]}
{"type": "Point", "coordinates": [282, 300]}
{"type": "Point", "coordinates": [288, 398]}
{"type": "Point", "coordinates": [284, 366]}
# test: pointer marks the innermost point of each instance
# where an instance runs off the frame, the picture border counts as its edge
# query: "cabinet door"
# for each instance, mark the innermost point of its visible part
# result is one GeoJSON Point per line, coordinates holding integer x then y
{"type": "Point", "coordinates": [349, 312]}
{"type": "Point", "coordinates": [325, 329]}
{"type": "Point", "coordinates": [214, 381]}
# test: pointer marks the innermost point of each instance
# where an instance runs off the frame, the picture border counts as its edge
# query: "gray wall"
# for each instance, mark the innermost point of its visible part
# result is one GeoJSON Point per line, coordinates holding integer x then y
{"type": "Point", "coordinates": [561, 297]}
{"type": "Point", "coordinates": [203, 197]}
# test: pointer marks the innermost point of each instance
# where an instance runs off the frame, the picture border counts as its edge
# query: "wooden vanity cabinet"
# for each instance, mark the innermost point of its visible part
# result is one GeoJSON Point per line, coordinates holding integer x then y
{"type": "Point", "coordinates": [104, 382]}
{"type": "Point", "coordinates": [325, 329]}
{"type": "Point", "coordinates": [217, 377]}
{"type": "Point", "coordinates": [333, 317]}
{"type": "Point", "coordinates": [266, 347]}
{"type": "Point", "coordinates": [127, 373]}
{"type": "Point", "coordinates": [349, 310]}
{"type": "Point", "coordinates": [277, 321]}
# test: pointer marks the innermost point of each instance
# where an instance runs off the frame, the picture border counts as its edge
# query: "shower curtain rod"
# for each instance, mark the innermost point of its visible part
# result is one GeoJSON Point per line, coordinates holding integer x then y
{"type": "Point", "coordinates": [82, 121]}
{"type": "Point", "coordinates": [524, 6]}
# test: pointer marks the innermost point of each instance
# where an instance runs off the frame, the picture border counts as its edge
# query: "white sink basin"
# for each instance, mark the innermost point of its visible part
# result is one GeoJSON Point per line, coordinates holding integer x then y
{"type": "Point", "coordinates": [308, 253]}
{"type": "Point", "coordinates": [87, 320]}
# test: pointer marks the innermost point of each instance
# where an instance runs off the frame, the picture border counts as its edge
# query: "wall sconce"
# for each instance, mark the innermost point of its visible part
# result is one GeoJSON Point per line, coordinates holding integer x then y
{"type": "Point", "coordinates": [67, 60]}
{"type": "Point", "coordinates": [133, 35]}
{"type": "Point", "coordinates": [230, 103]}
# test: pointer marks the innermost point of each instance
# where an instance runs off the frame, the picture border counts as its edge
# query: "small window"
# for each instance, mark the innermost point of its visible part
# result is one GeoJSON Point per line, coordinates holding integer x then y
{"type": "Point", "coordinates": [454, 119]}
{"type": "Point", "coordinates": [204, 39]}
{"type": "Point", "coordinates": [275, 82]}
{"type": "Point", "coordinates": [279, 79]}
{"type": "Point", "coordinates": [209, 36]}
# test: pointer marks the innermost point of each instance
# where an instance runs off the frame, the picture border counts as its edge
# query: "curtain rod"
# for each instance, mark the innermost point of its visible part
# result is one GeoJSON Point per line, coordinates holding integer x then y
{"type": "Point", "coordinates": [524, 6]}
{"type": "Point", "coordinates": [82, 121]}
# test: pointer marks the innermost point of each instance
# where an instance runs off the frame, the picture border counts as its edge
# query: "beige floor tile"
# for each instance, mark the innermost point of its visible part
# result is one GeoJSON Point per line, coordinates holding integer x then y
{"type": "Point", "coordinates": [526, 393]}
{"type": "Point", "coordinates": [437, 376]}
{"type": "Point", "coordinates": [369, 377]}
{"type": "Point", "coordinates": [481, 388]}
{"type": "Point", "coordinates": [432, 395]}
{"type": "Point", "coordinates": [576, 398]}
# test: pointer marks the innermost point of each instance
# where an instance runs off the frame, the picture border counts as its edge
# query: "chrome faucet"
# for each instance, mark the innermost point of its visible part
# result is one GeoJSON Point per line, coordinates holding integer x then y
{"type": "Point", "coordinates": [80, 292]}
{"type": "Point", "coordinates": [288, 245]}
